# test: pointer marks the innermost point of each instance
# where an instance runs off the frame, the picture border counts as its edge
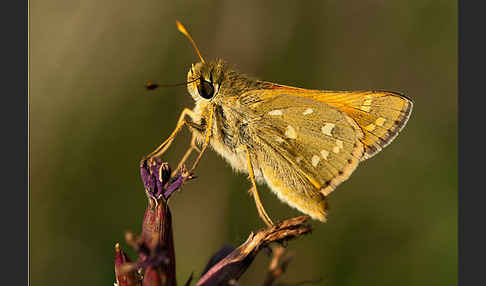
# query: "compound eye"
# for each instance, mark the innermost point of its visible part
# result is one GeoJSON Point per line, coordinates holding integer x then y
{"type": "Point", "coordinates": [205, 89]}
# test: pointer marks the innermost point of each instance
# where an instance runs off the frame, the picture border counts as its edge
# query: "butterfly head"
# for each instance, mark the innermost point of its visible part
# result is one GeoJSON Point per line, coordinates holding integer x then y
{"type": "Point", "coordinates": [204, 80]}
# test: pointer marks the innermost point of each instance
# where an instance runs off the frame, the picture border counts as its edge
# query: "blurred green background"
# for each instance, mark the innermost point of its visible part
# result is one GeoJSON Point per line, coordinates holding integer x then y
{"type": "Point", "coordinates": [91, 120]}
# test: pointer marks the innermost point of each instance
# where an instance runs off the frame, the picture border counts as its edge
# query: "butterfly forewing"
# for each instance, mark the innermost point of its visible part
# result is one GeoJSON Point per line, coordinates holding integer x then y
{"type": "Point", "coordinates": [381, 115]}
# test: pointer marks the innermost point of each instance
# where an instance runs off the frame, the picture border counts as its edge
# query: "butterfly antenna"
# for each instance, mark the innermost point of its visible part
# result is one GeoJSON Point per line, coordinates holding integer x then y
{"type": "Point", "coordinates": [183, 30]}
{"type": "Point", "coordinates": [151, 86]}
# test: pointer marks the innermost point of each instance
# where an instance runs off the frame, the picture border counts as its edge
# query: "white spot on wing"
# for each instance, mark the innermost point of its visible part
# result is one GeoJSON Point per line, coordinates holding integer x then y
{"type": "Point", "coordinates": [315, 160]}
{"type": "Point", "coordinates": [380, 121]}
{"type": "Point", "coordinates": [339, 143]}
{"type": "Point", "coordinates": [298, 159]}
{"type": "Point", "coordinates": [338, 147]}
{"type": "Point", "coordinates": [290, 132]}
{"type": "Point", "coordinates": [275, 112]}
{"type": "Point", "coordinates": [327, 128]}
{"type": "Point", "coordinates": [367, 102]}
{"type": "Point", "coordinates": [370, 127]}
{"type": "Point", "coordinates": [365, 108]}
{"type": "Point", "coordinates": [308, 111]}
{"type": "Point", "coordinates": [324, 154]}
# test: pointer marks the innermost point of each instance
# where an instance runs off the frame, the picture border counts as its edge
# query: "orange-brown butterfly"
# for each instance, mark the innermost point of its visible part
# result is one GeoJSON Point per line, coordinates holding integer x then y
{"type": "Point", "coordinates": [302, 143]}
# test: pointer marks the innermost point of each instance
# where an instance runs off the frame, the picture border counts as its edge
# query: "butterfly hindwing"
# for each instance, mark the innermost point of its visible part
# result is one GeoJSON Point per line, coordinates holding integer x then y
{"type": "Point", "coordinates": [316, 144]}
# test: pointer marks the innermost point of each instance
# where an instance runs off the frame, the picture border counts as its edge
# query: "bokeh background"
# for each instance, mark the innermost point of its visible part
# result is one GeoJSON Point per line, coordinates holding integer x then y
{"type": "Point", "coordinates": [91, 120]}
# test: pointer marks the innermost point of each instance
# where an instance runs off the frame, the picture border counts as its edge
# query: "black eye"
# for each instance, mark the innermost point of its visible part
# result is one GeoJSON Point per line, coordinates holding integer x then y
{"type": "Point", "coordinates": [206, 89]}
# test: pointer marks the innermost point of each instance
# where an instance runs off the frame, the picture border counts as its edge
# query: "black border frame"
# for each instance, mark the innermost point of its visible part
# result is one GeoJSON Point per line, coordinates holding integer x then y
{"type": "Point", "coordinates": [471, 195]}
{"type": "Point", "coordinates": [15, 136]}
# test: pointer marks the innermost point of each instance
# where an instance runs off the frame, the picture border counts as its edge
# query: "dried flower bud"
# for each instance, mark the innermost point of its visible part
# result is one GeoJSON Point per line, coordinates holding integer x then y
{"type": "Point", "coordinates": [152, 277]}
{"type": "Point", "coordinates": [124, 277]}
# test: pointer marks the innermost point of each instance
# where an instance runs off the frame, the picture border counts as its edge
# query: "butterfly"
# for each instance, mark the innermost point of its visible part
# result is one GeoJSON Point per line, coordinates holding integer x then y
{"type": "Point", "coordinates": [302, 143]}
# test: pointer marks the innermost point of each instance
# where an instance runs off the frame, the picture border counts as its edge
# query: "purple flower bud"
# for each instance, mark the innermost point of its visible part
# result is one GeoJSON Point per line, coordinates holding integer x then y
{"type": "Point", "coordinates": [157, 236]}
{"type": "Point", "coordinates": [157, 181]}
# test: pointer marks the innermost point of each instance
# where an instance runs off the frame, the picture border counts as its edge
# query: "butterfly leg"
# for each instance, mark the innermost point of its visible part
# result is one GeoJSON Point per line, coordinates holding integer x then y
{"type": "Point", "coordinates": [191, 148]}
{"type": "Point", "coordinates": [261, 210]}
{"type": "Point", "coordinates": [206, 139]}
{"type": "Point", "coordinates": [180, 123]}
